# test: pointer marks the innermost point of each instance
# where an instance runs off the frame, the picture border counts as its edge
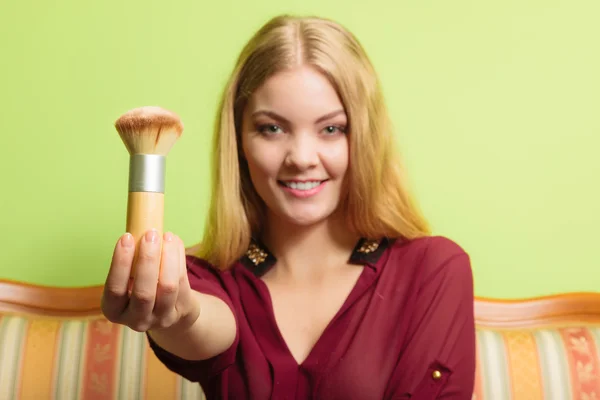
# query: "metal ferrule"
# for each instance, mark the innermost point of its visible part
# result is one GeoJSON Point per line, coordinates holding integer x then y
{"type": "Point", "coordinates": [147, 173]}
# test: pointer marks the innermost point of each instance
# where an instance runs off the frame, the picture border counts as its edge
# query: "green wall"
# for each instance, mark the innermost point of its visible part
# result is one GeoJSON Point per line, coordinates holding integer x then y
{"type": "Point", "coordinates": [496, 105]}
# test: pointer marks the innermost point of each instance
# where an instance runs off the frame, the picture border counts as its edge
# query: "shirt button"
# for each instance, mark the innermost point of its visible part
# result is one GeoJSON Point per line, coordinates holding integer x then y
{"type": "Point", "coordinates": [436, 375]}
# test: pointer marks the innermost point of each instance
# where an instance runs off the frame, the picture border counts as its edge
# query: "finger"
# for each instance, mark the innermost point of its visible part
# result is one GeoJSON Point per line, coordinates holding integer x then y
{"type": "Point", "coordinates": [190, 307]}
{"type": "Point", "coordinates": [143, 292]}
{"type": "Point", "coordinates": [114, 295]}
{"type": "Point", "coordinates": [185, 291]}
{"type": "Point", "coordinates": [168, 281]}
{"type": "Point", "coordinates": [184, 281]}
{"type": "Point", "coordinates": [182, 261]}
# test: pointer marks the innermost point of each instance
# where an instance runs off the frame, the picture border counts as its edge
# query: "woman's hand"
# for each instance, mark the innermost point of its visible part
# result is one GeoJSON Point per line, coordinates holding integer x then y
{"type": "Point", "coordinates": [159, 296]}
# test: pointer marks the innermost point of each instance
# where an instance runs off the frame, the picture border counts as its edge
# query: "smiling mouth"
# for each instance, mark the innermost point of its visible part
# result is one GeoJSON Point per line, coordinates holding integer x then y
{"type": "Point", "coordinates": [308, 185]}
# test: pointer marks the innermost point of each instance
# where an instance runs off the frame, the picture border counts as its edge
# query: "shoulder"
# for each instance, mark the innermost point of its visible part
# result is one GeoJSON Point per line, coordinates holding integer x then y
{"type": "Point", "coordinates": [199, 267]}
{"type": "Point", "coordinates": [194, 261]}
{"type": "Point", "coordinates": [431, 255]}
{"type": "Point", "coordinates": [430, 249]}
{"type": "Point", "coordinates": [437, 243]}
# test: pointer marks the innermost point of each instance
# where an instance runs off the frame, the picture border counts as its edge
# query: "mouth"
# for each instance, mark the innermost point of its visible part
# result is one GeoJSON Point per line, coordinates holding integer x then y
{"type": "Point", "coordinates": [303, 186]}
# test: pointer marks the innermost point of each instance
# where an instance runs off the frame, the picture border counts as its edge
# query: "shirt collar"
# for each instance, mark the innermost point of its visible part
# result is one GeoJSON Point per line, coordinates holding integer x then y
{"type": "Point", "coordinates": [258, 259]}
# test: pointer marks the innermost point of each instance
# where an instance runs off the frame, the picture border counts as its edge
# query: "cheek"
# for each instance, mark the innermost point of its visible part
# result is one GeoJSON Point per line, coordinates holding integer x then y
{"type": "Point", "coordinates": [335, 159]}
{"type": "Point", "coordinates": [259, 165]}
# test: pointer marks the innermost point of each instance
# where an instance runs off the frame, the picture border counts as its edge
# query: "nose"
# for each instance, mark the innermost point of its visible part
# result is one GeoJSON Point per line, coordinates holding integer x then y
{"type": "Point", "coordinates": [302, 152]}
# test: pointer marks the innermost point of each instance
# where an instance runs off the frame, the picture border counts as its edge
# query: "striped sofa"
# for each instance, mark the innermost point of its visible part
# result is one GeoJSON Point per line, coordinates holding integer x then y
{"type": "Point", "coordinates": [54, 344]}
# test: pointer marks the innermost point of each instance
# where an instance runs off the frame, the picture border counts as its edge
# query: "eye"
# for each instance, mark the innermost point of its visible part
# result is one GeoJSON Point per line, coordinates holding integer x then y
{"type": "Point", "coordinates": [269, 129]}
{"type": "Point", "coordinates": [333, 129]}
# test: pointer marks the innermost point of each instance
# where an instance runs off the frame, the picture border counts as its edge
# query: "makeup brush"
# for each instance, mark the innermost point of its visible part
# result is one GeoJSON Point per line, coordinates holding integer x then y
{"type": "Point", "coordinates": [148, 133]}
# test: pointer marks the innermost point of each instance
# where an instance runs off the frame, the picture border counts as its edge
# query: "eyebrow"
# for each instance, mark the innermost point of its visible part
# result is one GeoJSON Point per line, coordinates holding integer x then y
{"type": "Point", "coordinates": [279, 118]}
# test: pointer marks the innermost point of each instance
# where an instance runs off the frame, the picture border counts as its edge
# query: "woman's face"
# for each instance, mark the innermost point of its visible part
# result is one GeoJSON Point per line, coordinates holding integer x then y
{"type": "Point", "coordinates": [294, 141]}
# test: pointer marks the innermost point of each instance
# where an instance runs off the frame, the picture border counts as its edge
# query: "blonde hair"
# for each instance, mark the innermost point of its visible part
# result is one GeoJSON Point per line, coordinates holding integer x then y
{"type": "Point", "coordinates": [378, 203]}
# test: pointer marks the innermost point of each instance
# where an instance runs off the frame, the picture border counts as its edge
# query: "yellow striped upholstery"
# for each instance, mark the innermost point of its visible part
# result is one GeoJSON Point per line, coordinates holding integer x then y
{"type": "Point", "coordinates": [560, 362]}
{"type": "Point", "coordinates": [92, 359]}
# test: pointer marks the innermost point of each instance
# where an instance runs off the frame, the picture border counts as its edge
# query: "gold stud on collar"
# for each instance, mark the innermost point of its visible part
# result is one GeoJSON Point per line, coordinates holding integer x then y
{"type": "Point", "coordinates": [369, 246]}
{"type": "Point", "coordinates": [256, 254]}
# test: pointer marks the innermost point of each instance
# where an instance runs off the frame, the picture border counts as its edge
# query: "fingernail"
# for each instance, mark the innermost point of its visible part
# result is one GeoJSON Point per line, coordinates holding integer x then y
{"type": "Point", "coordinates": [168, 237]}
{"type": "Point", "coordinates": [127, 240]}
{"type": "Point", "coordinates": [152, 236]}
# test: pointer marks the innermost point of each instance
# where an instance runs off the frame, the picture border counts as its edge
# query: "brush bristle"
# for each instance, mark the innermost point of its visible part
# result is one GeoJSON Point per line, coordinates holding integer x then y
{"type": "Point", "coordinates": [149, 130]}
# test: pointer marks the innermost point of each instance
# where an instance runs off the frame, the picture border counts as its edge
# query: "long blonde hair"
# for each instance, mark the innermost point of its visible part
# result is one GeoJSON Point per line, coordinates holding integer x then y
{"type": "Point", "coordinates": [378, 204]}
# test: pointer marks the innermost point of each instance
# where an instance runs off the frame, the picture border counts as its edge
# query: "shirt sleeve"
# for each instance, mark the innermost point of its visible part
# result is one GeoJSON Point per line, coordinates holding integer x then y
{"type": "Point", "coordinates": [206, 280]}
{"type": "Point", "coordinates": [438, 360]}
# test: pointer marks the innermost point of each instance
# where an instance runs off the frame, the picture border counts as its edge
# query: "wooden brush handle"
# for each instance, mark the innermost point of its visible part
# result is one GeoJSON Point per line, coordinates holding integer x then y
{"type": "Point", "coordinates": [145, 211]}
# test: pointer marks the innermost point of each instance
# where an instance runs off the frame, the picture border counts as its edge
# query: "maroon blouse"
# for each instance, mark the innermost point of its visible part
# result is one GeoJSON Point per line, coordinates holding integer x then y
{"type": "Point", "coordinates": [405, 331]}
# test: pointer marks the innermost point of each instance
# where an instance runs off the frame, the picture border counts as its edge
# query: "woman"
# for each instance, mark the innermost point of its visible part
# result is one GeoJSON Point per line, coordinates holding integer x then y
{"type": "Point", "coordinates": [316, 277]}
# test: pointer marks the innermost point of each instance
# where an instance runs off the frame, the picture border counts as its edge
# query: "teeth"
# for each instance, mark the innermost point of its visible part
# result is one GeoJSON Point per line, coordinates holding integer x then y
{"type": "Point", "coordinates": [302, 185]}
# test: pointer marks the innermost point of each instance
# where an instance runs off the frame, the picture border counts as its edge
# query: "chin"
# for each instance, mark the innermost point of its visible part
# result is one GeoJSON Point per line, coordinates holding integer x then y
{"type": "Point", "coordinates": [306, 218]}
{"type": "Point", "coordinates": [305, 221]}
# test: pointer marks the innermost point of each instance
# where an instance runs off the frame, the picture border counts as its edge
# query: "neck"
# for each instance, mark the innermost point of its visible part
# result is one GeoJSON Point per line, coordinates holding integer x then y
{"type": "Point", "coordinates": [308, 252]}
